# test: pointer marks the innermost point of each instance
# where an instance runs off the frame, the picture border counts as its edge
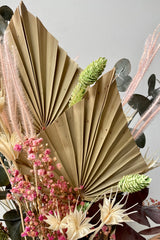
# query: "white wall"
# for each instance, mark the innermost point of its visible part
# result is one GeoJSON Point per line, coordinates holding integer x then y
{"type": "Point", "coordinates": [110, 28]}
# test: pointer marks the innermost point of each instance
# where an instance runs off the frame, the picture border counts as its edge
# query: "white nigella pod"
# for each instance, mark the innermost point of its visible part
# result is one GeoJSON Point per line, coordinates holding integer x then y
{"type": "Point", "coordinates": [77, 224]}
{"type": "Point", "coordinates": [112, 213]}
{"type": "Point", "coordinates": [54, 221]}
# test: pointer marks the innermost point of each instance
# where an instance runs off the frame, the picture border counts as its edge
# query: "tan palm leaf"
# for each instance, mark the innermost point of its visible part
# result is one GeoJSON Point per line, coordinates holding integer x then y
{"type": "Point", "coordinates": [47, 73]}
{"type": "Point", "coordinates": [93, 142]}
{"type": "Point", "coordinates": [90, 139]}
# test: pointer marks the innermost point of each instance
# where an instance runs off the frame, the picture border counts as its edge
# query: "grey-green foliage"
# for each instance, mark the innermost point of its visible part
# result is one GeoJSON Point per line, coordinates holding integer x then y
{"type": "Point", "coordinates": [4, 181]}
{"type": "Point", "coordinates": [133, 183]}
{"type": "Point", "coordinates": [87, 77]}
{"type": "Point", "coordinates": [3, 25]}
{"type": "Point", "coordinates": [5, 16]}
{"type": "Point", "coordinates": [123, 68]}
{"type": "Point", "coordinates": [3, 235]}
{"type": "Point", "coordinates": [14, 226]}
{"type": "Point", "coordinates": [3, 194]}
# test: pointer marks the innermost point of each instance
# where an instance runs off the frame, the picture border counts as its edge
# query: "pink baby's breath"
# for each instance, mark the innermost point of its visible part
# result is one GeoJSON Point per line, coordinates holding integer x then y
{"type": "Point", "coordinates": [47, 151]}
{"type": "Point", "coordinates": [24, 234]}
{"type": "Point", "coordinates": [59, 166]}
{"type": "Point", "coordinates": [62, 237]}
{"type": "Point", "coordinates": [18, 147]}
{"type": "Point", "coordinates": [9, 196]}
{"type": "Point", "coordinates": [41, 217]}
{"type": "Point", "coordinates": [45, 190]}
{"type": "Point", "coordinates": [31, 156]}
{"type": "Point", "coordinates": [41, 172]}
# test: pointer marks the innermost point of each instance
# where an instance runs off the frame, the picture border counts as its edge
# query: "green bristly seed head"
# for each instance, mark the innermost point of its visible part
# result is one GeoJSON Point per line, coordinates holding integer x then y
{"type": "Point", "coordinates": [92, 72]}
{"type": "Point", "coordinates": [76, 95]}
{"type": "Point", "coordinates": [87, 77]}
{"type": "Point", "coordinates": [133, 183]}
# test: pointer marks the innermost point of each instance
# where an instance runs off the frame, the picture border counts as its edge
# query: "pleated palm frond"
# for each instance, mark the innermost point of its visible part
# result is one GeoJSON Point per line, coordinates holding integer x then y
{"type": "Point", "coordinates": [92, 141]}
{"type": "Point", "coordinates": [47, 73]}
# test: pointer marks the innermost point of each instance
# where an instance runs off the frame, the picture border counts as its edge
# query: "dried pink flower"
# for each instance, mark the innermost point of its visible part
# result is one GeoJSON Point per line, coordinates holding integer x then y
{"type": "Point", "coordinates": [18, 147]}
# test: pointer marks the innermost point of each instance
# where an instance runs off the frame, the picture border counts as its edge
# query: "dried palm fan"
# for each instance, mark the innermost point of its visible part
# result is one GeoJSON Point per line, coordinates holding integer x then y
{"type": "Point", "coordinates": [48, 75]}
{"type": "Point", "coordinates": [93, 142]}
{"type": "Point", "coordinates": [91, 139]}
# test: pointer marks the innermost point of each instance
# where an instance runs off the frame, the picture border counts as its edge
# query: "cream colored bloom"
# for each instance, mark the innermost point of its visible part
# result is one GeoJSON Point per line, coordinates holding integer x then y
{"type": "Point", "coordinates": [7, 143]}
{"type": "Point", "coordinates": [54, 221]}
{"type": "Point", "coordinates": [77, 224]}
{"type": "Point", "coordinates": [113, 214]}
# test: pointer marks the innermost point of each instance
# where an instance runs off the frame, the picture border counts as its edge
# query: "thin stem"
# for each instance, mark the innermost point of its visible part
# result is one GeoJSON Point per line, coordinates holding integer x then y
{"type": "Point", "coordinates": [132, 117]}
{"type": "Point", "coordinates": [36, 184]}
{"type": "Point", "coordinates": [4, 168]}
{"type": "Point", "coordinates": [21, 215]}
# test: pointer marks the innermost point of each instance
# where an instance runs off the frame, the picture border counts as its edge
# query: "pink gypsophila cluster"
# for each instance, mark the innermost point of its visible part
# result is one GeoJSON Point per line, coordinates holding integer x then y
{"type": "Point", "coordinates": [21, 189]}
{"type": "Point", "coordinates": [44, 191]}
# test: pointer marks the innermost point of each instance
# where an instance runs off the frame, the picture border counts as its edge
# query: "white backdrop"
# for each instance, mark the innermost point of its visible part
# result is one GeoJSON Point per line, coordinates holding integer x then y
{"type": "Point", "coordinates": [110, 28]}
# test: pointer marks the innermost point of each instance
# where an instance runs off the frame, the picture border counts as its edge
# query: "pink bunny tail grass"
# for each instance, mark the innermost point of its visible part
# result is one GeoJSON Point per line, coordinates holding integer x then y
{"type": "Point", "coordinates": [146, 118]}
{"type": "Point", "coordinates": [8, 91]}
{"type": "Point", "coordinates": [4, 118]}
{"type": "Point", "coordinates": [150, 50]}
{"type": "Point", "coordinates": [26, 118]}
{"type": "Point", "coordinates": [17, 106]}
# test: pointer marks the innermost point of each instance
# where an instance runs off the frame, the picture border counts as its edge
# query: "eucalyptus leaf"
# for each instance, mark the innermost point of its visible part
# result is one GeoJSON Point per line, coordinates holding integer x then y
{"type": "Point", "coordinates": [3, 235]}
{"type": "Point", "coordinates": [123, 82]}
{"type": "Point", "coordinates": [3, 25]}
{"type": "Point", "coordinates": [4, 160]}
{"type": "Point", "coordinates": [141, 141]}
{"type": "Point", "coordinates": [6, 163]}
{"type": "Point", "coordinates": [123, 66]}
{"type": "Point", "coordinates": [14, 227]}
{"type": "Point", "coordinates": [4, 181]}
{"type": "Point", "coordinates": [140, 103]}
{"type": "Point", "coordinates": [6, 12]}
{"type": "Point", "coordinates": [156, 93]}
{"type": "Point", "coordinates": [2, 157]}
{"type": "Point", "coordinates": [3, 194]}
{"type": "Point", "coordinates": [151, 84]}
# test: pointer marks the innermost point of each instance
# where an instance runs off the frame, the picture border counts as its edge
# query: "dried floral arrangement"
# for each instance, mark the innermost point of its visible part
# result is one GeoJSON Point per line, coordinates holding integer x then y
{"type": "Point", "coordinates": [71, 166]}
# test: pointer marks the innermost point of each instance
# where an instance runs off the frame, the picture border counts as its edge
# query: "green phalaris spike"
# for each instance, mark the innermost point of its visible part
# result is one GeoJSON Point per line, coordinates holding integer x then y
{"type": "Point", "coordinates": [133, 183]}
{"type": "Point", "coordinates": [87, 77]}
